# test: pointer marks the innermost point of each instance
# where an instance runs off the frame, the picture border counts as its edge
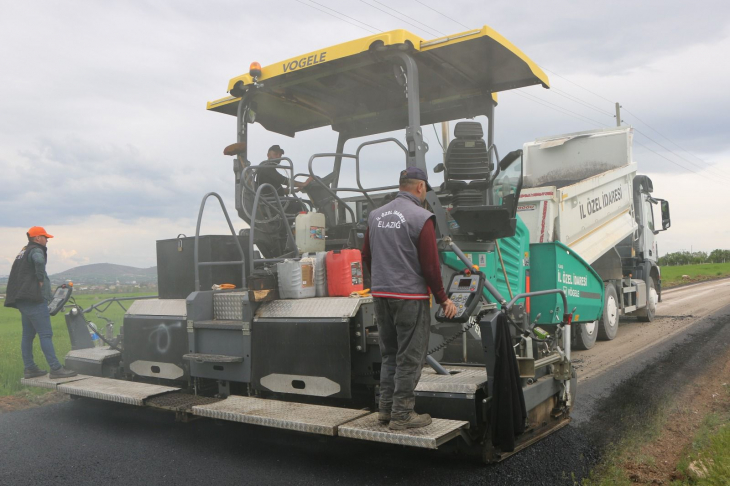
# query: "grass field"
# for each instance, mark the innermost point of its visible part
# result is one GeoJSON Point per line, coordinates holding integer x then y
{"type": "Point", "coordinates": [672, 276]}
{"type": "Point", "coordinates": [11, 362]}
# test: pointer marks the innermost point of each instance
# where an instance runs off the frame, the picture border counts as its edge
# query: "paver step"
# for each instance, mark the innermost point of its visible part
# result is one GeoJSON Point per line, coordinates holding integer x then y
{"type": "Point", "coordinates": [315, 419]}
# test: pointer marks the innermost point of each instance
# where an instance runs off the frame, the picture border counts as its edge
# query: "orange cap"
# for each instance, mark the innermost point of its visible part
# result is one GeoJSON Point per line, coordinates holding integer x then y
{"type": "Point", "coordinates": [38, 231]}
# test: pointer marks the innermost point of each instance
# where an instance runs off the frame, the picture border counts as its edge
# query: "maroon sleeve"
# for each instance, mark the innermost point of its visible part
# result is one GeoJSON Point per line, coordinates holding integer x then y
{"type": "Point", "coordinates": [365, 252]}
{"type": "Point", "coordinates": [428, 256]}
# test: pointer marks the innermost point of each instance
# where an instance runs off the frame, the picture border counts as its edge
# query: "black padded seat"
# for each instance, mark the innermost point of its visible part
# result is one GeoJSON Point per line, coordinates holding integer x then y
{"type": "Point", "coordinates": [467, 159]}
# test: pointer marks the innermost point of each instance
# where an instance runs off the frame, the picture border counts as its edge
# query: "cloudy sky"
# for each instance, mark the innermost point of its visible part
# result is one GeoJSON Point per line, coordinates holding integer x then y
{"type": "Point", "coordinates": [105, 140]}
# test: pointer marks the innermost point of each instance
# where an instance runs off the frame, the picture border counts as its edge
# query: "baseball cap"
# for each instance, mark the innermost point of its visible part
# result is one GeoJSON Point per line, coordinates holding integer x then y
{"type": "Point", "coordinates": [415, 173]}
{"type": "Point", "coordinates": [276, 148]}
{"type": "Point", "coordinates": [38, 231]}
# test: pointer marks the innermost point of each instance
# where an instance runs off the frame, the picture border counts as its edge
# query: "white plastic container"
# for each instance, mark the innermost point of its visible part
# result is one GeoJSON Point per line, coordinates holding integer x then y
{"type": "Point", "coordinates": [320, 272]}
{"type": "Point", "coordinates": [310, 232]}
{"type": "Point", "coordinates": [296, 279]}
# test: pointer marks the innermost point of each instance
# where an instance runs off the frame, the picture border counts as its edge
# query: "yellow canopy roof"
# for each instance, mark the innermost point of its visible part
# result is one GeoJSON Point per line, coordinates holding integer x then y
{"type": "Point", "coordinates": [353, 88]}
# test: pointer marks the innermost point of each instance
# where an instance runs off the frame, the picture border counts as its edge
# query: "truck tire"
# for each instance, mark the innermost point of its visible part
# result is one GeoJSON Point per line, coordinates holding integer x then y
{"type": "Point", "coordinates": [585, 336]}
{"type": "Point", "coordinates": [608, 325]}
{"type": "Point", "coordinates": [647, 313]}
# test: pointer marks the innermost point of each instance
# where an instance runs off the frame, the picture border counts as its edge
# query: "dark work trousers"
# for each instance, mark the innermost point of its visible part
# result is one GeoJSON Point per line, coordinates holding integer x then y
{"type": "Point", "coordinates": [404, 327]}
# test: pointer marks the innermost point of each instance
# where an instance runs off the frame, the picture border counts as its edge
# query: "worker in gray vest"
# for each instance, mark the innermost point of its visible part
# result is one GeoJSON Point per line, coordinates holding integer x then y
{"type": "Point", "coordinates": [401, 253]}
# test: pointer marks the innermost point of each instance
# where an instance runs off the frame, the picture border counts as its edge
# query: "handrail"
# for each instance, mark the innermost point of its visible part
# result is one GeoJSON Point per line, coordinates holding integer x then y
{"type": "Point", "coordinates": [242, 262]}
{"type": "Point", "coordinates": [252, 232]}
{"type": "Point", "coordinates": [333, 193]}
{"type": "Point", "coordinates": [112, 300]}
{"type": "Point", "coordinates": [249, 188]}
{"type": "Point", "coordinates": [357, 161]}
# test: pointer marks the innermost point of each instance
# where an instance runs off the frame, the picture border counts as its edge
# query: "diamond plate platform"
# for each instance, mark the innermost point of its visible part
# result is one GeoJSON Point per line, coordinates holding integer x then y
{"type": "Point", "coordinates": [429, 437]}
{"type": "Point", "coordinates": [96, 355]}
{"type": "Point", "coordinates": [229, 305]}
{"type": "Point", "coordinates": [179, 402]}
{"type": "Point", "coordinates": [321, 307]}
{"type": "Point", "coordinates": [315, 419]}
{"type": "Point", "coordinates": [223, 324]}
{"type": "Point", "coordinates": [121, 391]}
{"type": "Point", "coordinates": [465, 380]}
{"type": "Point", "coordinates": [46, 382]}
{"type": "Point", "coordinates": [158, 307]}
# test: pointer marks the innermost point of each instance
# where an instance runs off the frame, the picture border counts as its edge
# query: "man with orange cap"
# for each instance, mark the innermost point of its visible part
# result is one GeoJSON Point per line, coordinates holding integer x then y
{"type": "Point", "coordinates": [29, 291]}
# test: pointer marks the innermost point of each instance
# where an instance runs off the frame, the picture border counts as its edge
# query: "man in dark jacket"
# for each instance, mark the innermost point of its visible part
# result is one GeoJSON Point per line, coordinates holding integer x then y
{"type": "Point", "coordinates": [29, 291]}
{"type": "Point", "coordinates": [404, 266]}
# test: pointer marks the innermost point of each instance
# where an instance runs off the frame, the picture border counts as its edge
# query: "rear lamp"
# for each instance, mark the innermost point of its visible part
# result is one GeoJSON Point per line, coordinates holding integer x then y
{"type": "Point", "coordinates": [255, 70]}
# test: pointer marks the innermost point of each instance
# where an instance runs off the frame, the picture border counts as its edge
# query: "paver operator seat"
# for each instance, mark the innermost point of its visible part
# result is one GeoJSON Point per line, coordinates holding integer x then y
{"type": "Point", "coordinates": [467, 159]}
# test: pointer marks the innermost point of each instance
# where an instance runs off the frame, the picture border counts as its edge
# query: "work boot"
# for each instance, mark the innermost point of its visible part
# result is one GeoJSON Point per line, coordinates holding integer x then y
{"type": "Point", "coordinates": [413, 421]}
{"type": "Point", "coordinates": [383, 417]}
{"type": "Point", "coordinates": [62, 373]}
{"type": "Point", "coordinates": [33, 373]}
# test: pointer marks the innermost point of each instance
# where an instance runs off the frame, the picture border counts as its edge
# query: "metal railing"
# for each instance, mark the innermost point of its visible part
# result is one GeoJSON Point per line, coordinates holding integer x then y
{"type": "Point", "coordinates": [252, 232]}
{"type": "Point", "coordinates": [198, 263]}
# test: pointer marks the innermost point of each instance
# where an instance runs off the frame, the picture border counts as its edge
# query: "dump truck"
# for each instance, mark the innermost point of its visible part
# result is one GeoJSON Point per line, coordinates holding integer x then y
{"type": "Point", "coordinates": [219, 341]}
{"type": "Point", "coordinates": [583, 189]}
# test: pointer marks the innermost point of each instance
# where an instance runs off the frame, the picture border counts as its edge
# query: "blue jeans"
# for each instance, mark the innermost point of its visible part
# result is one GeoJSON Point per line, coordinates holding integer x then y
{"type": "Point", "coordinates": [37, 320]}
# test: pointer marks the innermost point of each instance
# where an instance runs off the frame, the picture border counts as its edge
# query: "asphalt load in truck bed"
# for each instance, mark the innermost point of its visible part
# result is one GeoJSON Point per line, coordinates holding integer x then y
{"type": "Point", "coordinates": [90, 442]}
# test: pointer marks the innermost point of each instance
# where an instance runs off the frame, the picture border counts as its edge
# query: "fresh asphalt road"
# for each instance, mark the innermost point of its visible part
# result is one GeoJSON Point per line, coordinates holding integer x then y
{"type": "Point", "coordinates": [89, 442]}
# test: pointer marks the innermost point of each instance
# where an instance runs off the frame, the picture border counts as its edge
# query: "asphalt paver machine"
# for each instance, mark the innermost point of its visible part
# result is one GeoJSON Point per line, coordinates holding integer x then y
{"type": "Point", "coordinates": [312, 364]}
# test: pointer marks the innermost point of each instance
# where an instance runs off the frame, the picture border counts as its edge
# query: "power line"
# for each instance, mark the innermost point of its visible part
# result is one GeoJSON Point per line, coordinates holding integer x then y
{"type": "Point", "coordinates": [338, 18]}
{"type": "Point", "coordinates": [397, 18]}
{"type": "Point", "coordinates": [437, 136]}
{"type": "Point", "coordinates": [668, 139]}
{"type": "Point", "coordinates": [442, 14]}
{"type": "Point", "coordinates": [673, 162]}
{"type": "Point", "coordinates": [555, 109]}
{"type": "Point", "coordinates": [671, 151]}
{"type": "Point", "coordinates": [558, 107]}
{"type": "Point", "coordinates": [410, 17]}
{"type": "Point", "coordinates": [581, 87]}
{"type": "Point", "coordinates": [575, 99]}
{"type": "Point", "coordinates": [344, 15]}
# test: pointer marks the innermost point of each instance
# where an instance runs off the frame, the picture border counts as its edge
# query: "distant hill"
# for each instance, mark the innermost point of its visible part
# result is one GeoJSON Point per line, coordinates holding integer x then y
{"type": "Point", "coordinates": [107, 273]}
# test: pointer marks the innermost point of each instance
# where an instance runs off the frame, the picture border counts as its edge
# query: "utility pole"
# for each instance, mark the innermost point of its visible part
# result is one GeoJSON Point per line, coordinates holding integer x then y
{"type": "Point", "coordinates": [445, 136]}
{"type": "Point", "coordinates": [618, 114]}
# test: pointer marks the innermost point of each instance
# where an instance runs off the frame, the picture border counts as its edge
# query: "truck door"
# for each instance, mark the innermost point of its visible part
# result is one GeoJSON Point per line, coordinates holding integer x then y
{"type": "Point", "coordinates": [648, 228]}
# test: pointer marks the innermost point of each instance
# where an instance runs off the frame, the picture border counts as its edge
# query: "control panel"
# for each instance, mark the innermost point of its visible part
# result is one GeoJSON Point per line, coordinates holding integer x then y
{"type": "Point", "coordinates": [465, 291]}
{"type": "Point", "coordinates": [59, 299]}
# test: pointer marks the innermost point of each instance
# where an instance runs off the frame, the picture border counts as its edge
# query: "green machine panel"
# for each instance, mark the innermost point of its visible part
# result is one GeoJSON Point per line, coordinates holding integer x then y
{"type": "Point", "coordinates": [555, 266]}
{"type": "Point", "coordinates": [515, 255]}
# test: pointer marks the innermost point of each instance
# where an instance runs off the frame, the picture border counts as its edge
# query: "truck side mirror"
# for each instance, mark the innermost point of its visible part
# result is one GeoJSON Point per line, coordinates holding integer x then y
{"type": "Point", "coordinates": [666, 221]}
{"type": "Point", "coordinates": [439, 168]}
{"type": "Point", "coordinates": [509, 158]}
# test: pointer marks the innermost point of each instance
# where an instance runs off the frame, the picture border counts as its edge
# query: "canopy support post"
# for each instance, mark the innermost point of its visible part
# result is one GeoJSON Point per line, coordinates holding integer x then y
{"type": "Point", "coordinates": [414, 138]}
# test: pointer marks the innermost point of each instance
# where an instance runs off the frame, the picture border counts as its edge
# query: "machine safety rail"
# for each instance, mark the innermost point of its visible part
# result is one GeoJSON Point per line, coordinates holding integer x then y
{"type": "Point", "coordinates": [252, 233]}
{"type": "Point", "coordinates": [197, 263]}
{"type": "Point", "coordinates": [111, 301]}
{"type": "Point", "coordinates": [253, 168]}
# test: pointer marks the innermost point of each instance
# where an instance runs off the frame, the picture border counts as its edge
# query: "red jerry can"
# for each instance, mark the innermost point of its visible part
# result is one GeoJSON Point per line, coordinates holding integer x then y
{"type": "Point", "coordinates": [344, 272]}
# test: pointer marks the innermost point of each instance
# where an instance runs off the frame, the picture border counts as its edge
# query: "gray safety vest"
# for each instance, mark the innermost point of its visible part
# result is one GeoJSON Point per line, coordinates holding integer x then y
{"type": "Point", "coordinates": [394, 230]}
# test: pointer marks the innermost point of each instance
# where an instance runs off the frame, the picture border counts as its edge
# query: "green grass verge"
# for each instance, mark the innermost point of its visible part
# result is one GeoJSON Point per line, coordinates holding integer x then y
{"type": "Point", "coordinates": [610, 471]}
{"type": "Point", "coordinates": [11, 331]}
{"type": "Point", "coordinates": [672, 276]}
{"type": "Point", "coordinates": [712, 441]}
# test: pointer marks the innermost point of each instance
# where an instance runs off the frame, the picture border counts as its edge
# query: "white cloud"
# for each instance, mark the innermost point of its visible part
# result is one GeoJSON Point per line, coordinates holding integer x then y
{"type": "Point", "coordinates": [104, 138]}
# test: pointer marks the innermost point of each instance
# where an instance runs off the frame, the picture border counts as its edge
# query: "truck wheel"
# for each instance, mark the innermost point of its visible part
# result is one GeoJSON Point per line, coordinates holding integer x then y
{"type": "Point", "coordinates": [608, 325]}
{"type": "Point", "coordinates": [586, 335]}
{"type": "Point", "coordinates": [647, 314]}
